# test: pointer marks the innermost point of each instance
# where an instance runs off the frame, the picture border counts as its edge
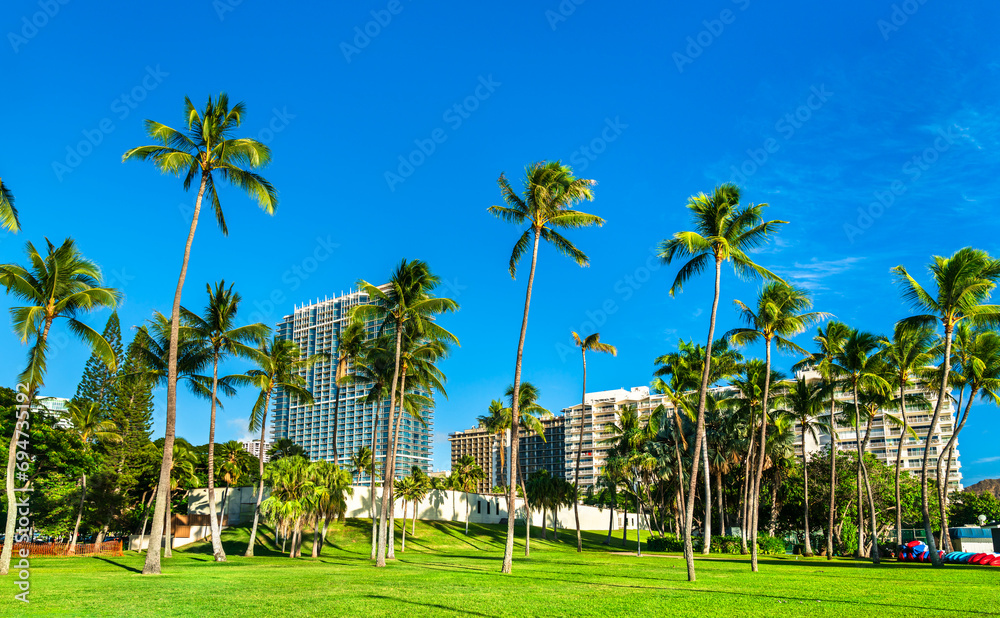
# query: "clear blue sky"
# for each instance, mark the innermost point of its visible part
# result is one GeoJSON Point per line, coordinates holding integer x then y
{"type": "Point", "coordinates": [825, 108]}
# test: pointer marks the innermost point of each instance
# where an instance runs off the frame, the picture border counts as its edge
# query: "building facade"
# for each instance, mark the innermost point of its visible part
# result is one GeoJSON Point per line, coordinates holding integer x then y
{"type": "Point", "coordinates": [483, 446]}
{"type": "Point", "coordinates": [253, 447]}
{"type": "Point", "coordinates": [549, 453]}
{"type": "Point", "coordinates": [316, 328]}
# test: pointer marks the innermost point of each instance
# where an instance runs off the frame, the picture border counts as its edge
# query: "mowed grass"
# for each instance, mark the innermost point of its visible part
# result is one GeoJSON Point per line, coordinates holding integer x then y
{"type": "Point", "coordinates": [445, 572]}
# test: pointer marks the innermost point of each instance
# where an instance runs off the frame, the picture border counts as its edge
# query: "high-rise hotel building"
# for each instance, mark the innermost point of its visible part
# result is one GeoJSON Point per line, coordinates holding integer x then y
{"type": "Point", "coordinates": [316, 328]}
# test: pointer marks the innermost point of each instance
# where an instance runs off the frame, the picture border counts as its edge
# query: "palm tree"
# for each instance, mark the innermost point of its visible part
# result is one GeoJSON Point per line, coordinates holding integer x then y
{"type": "Point", "coordinates": [863, 372]}
{"type": "Point", "coordinates": [407, 305]}
{"type": "Point", "coordinates": [216, 330]}
{"type": "Point", "coordinates": [235, 463]}
{"type": "Point", "coordinates": [278, 362]}
{"type": "Point", "coordinates": [805, 403]}
{"type": "Point", "coordinates": [550, 193]}
{"type": "Point", "coordinates": [724, 232]}
{"type": "Point", "coordinates": [350, 342]}
{"type": "Point", "coordinates": [292, 486]}
{"type": "Point", "coordinates": [361, 461]}
{"type": "Point", "coordinates": [422, 485]}
{"type": "Point", "coordinates": [61, 284]}
{"type": "Point", "coordinates": [965, 282]}
{"type": "Point", "coordinates": [84, 420]}
{"type": "Point", "coordinates": [283, 447]}
{"type": "Point", "coordinates": [333, 485]}
{"type": "Point", "coordinates": [908, 354]}
{"type": "Point", "coordinates": [404, 489]}
{"type": "Point", "coordinates": [8, 214]}
{"type": "Point", "coordinates": [592, 343]}
{"type": "Point", "coordinates": [831, 344]}
{"type": "Point", "coordinates": [468, 474]}
{"type": "Point", "coordinates": [207, 147]}
{"type": "Point", "coordinates": [780, 314]}
{"type": "Point", "coordinates": [497, 422]}
{"type": "Point", "coordinates": [981, 373]}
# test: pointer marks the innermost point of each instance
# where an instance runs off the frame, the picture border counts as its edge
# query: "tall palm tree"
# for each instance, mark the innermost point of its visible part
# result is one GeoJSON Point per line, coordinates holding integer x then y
{"type": "Point", "coordinates": [408, 304]}
{"type": "Point", "coordinates": [350, 342]}
{"type": "Point", "coordinates": [780, 313]}
{"type": "Point", "coordinates": [550, 194]}
{"type": "Point", "coordinates": [981, 373]}
{"type": "Point", "coordinates": [278, 362]}
{"type": "Point", "coordinates": [216, 330]}
{"type": "Point", "coordinates": [965, 282]}
{"type": "Point", "coordinates": [205, 152]}
{"type": "Point", "coordinates": [824, 361]}
{"type": "Point", "coordinates": [8, 213]}
{"type": "Point", "coordinates": [86, 423]}
{"type": "Point", "coordinates": [361, 462]}
{"type": "Point", "coordinates": [60, 284]}
{"type": "Point", "coordinates": [593, 344]}
{"type": "Point", "coordinates": [804, 402]}
{"type": "Point", "coordinates": [908, 354]}
{"type": "Point", "coordinates": [468, 475]}
{"type": "Point", "coordinates": [724, 232]}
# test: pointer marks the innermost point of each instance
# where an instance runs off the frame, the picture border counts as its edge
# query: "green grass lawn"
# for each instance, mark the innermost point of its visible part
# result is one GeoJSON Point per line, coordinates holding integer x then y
{"type": "Point", "coordinates": [444, 572]}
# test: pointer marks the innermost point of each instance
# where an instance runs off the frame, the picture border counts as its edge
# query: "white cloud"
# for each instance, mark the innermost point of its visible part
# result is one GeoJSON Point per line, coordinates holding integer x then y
{"type": "Point", "coordinates": [810, 275]}
{"type": "Point", "coordinates": [986, 460]}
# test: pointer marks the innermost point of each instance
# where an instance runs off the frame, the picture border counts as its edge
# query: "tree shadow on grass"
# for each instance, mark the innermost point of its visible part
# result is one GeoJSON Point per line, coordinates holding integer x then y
{"type": "Point", "coordinates": [119, 565]}
{"type": "Point", "coordinates": [438, 606]}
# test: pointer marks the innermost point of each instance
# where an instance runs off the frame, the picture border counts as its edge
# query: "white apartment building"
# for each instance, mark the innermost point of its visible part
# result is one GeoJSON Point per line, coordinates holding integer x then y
{"type": "Point", "coordinates": [604, 407]}
{"type": "Point", "coordinates": [253, 447]}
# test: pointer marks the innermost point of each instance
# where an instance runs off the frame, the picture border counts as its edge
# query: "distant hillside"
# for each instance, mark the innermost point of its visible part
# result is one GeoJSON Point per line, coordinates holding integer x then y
{"type": "Point", "coordinates": [987, 485]}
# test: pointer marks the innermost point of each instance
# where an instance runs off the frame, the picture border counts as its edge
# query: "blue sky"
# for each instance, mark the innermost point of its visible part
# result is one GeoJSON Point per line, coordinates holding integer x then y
{"type": "Point", "coordinates": [871, 127]}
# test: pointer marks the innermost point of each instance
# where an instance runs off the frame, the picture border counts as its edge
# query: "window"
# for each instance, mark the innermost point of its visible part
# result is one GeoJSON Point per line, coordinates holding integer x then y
{"type": "Point", "coordinates": [488, 504]}
{"type": "Point", "coordinates": [479, 506]}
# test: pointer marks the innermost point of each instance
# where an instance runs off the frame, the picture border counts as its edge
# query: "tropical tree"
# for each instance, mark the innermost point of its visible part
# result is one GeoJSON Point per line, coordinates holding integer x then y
{"type": "Point", "coordinates": [216, 330]}
{"type": "Point", "coordinates": [332, 486]}
{"type": "Point", "coordinates": [804, 402]}
{"type": "Point", "coordinates": [468, 475]}
{"type": "Point", "coordinates": [547, 205]}
{"type": "Point", "coordinates": [60, 284]}
{"type": "Point", "coordinates": [593, 344]}
{"type": "Point", "coordinates": [497, 422]}
{"type": "Point", "coordinates": [283, 447]}
{"type": "Point", "coordinates": [907, 355]}
{"type": "Point", "coordinates": [362, 462]}
{"type": "Point", "coordinates": [831, 343]}
{"type": "Point", "coordinates": [407, 305]}
{"type": "Point", "coordinates": [780, 313]}
{"type": "Point", "coordinates": [965, 282]}
{"type": "Point", "coordinates": [292, 487]}
{"type": "Point", "coordinates": [350, 343]}
{"type": "Point", "coordinates": [235, 464]}
{"type": "Point", "coordinates": [8, 214]}
{"type": "Point", "coordinates": [278, 363]}
{"type": "Point", "coordinates": [85, 420]}
{"type": "Point", "coordinates": [723, 232]}
{"type": "Point", "coordinates": [206, 152]}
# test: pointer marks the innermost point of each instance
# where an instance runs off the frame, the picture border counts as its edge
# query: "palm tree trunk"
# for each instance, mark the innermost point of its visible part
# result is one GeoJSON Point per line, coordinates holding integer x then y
{"type": "Point", "coordinates": [625, 527]}
{"type": "Point", "coordinates": [22, 417]}
{"type": "Point", "coordinates": [387, 471]}
{"type": "Point", "coordinates": [860, 480]}
{"type": "Point", "coordinates": [700, 429]}
{"type": "Point", "coordinates": [468, 509]}
{"type": "Point", "coordinates": [168, 549]}
{"type": "Point", "coordinates": [79, 515]}
{"type": "Point", "coordinates": [763, 455]}
{"type": "Point", "coordinates": [402, 543]}
{"type": "Point", "coordinates": [224, 507]}
{"type": "Point", "coordinates": [515, 415]}
{"type": "Point", "coordinates": [745, 495]}
{"type": "Point", "coordinates": [924, 500]}
{"type": "Point", "coordinates": [395, 445]}
{"type": "Point", "coordinates": [145, 518]}
{"type": "Point", "coordinates": [773, 523]}
{"type": "Point", "coordinates": [579, 450]}
{"type": "Point", "coordinates": [899, 459]}
{"type": "Point", "coordinates": [833, 475]}
{"type": "Point", "coordinates": [316, 540]}
{"type": "Point", "coordinates": [260, 487]}
{"type": "Point", "coordinates": [808, 552]}
{"type": "Point", "coordinates": [942, 481]}
{"type": "Point", "coordinates": [336, 414]}
{"type": "Point", "coordinates": [871, 500]}
{"type": "Point", "coordinates": [152, 565]}
{"type": "Point", "coordinates": [371, 494]}
{"type": "Point", "coordinates": [611, 523]}
{"type": "Point", "coordinates": [707, 527]}
{"type": "Point", "coordinates": [545, 525]}
{"type": "Point", "coordinates": [718, 491]}
{"type": "Point", "coordinates": [326, 526]}
{"type": "Point", "coordinates": [218, 552]}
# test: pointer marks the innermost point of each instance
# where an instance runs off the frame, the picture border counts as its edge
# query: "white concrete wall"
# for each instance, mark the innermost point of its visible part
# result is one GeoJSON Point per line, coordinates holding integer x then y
{"type": "Point", "coordinates": [197, 533]}
{"type": "Point", "coordinates": [440, 505]}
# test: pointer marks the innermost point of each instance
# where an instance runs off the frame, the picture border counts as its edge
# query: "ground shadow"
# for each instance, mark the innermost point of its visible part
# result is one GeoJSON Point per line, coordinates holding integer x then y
{"type": "Point", "coordinates": [120, 565]}
{"type": "Point", "coordinates": [464, 611]}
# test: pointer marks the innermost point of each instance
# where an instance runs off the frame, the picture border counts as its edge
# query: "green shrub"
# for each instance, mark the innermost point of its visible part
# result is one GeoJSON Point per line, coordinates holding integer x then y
{"type": "Point", "coordinates": [770, 544]}
{"type": "Point", "coordinates": [669, 542]}
{"type": "Point", "coordinates": [720, 544]}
